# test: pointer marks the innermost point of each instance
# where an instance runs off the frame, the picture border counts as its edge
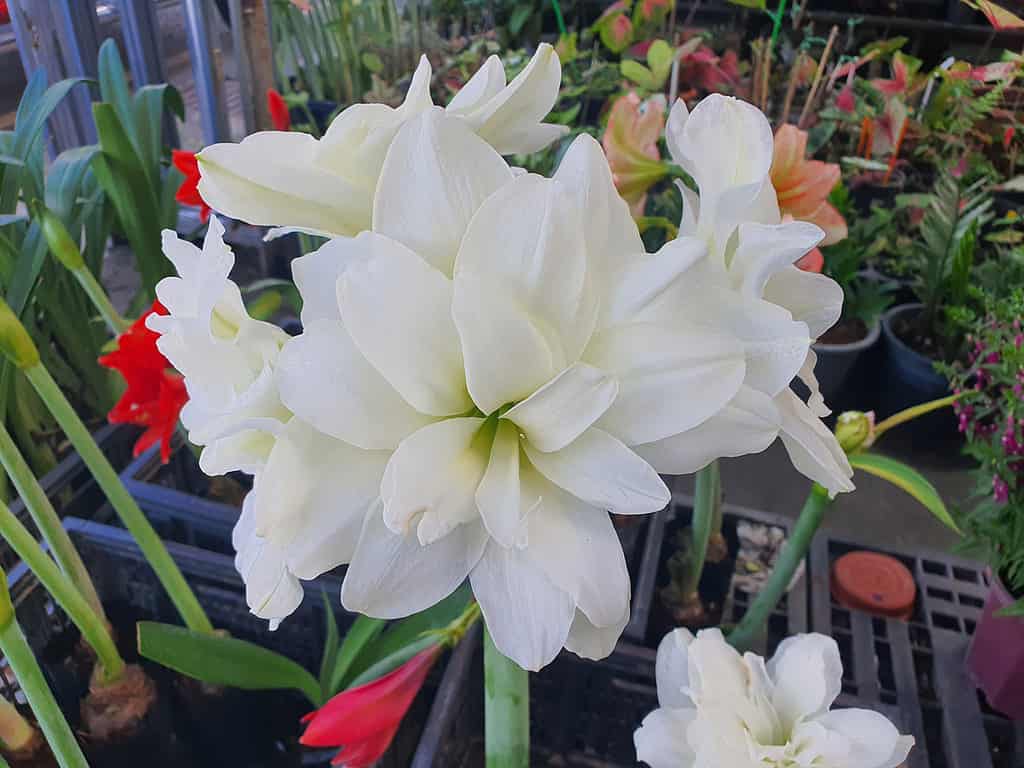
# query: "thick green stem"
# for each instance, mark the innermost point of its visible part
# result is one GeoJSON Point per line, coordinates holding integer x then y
{"type": "Point", "coordinates": [506, 709]}
{"type": "Point", "coordinates": [706, 510]}
{"type": "Point", "coordinates": [562, 31]}
{"type": "Point", "coordinates": [134, 520]}
{"type": "Point", "coordinates": [752, 624]}
{"type": "Point", "coordinates": [30, 677]}
{"type": "Point", "coordinates": [47, 521]}
{"type": "Point", "coordinates": [92, 625]}
{"type": "Point", "coordinates": [100, 300]}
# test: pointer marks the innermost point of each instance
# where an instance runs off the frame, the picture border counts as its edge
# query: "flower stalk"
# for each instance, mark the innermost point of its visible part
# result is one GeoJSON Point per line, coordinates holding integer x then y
{"type": "Point", "coordinates": [707, 520]}
{"type": "Point", "coordinates": [134, 520]}
{"type": "Point", "coordinates": [506, 709]}
{"type": "Point", "coordinates": [30, 677]}
{"type": "Point", "coordinates": [92, 624]}
{"type": "Point", "coordinates": [752, 624]}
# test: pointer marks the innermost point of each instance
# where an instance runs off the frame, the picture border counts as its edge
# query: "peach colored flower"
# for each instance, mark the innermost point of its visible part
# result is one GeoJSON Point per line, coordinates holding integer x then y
{"type": "Point", "coordinates": [303, 5]}
{"type": "Point", "coordinates": [631, 143]}
{"type": "Point", "coordinates": [803, 185]}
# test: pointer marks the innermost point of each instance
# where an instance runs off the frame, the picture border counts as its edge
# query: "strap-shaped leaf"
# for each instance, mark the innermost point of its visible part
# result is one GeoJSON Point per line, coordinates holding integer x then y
{"type": "Point", "coordinates": [363, 632]}
{"type": "Point", "coordinates": [220, 660]}
{"type": "Point", "coordinates": [331, 640]}
{"type": "Point", "coordinates": [907, 478]}
{"type": "Point", "coordinates": [64, 179]}
{"type": "Point", "coordinates": [114, 86]}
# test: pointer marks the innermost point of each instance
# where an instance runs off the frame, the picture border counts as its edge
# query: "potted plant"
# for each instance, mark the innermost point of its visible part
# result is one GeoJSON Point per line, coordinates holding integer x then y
{"type": "Point", "coordinates": [991, 416]}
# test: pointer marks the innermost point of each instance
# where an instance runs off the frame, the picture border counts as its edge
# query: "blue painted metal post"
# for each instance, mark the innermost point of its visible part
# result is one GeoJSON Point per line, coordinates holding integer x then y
{"type": "Point", "coordinates": [212, 110]}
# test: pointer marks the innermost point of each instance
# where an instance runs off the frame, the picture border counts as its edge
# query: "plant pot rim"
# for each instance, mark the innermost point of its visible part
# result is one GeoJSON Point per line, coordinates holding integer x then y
{"type": "Point", "coordinates": [997, 585]}
{"type": "Point", "coordinates": [873, 334]}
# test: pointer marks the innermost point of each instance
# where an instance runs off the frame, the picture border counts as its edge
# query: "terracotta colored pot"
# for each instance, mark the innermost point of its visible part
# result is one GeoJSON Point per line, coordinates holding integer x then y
{"type": "Point", "coordinates": [995, 660]}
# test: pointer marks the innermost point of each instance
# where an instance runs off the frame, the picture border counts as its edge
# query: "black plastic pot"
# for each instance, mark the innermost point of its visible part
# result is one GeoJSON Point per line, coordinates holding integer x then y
{"type": "Point", "coordinates": [70, 487]}
{"type": "Point", "coordinates": [837, 362]}
{"type": "Point", "coordinates": [252, 729]}
{"type": "Point", "coordinates": [650, 621]}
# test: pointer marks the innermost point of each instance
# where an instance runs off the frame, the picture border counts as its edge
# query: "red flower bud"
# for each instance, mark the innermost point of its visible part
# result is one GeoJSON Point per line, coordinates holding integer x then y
{"type": "Point", "coordinates": [188, 192]}
{"type": "Point", "coordinates": [278, 109]}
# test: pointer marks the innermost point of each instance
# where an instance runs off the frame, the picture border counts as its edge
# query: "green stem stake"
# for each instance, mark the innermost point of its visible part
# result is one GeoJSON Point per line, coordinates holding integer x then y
{"type": "Point", "coordinates": [752, 624]}
{"type": "Point", "coordinates": [47, 521]}
{"type": "Point", "coordinates": [707, 504]}
{"type": "Point", "coordinates": [562, 31]}
{"type": "Point", "coordinates": [506, 709]}
{"type": "Point", "coordinates": [93, 626]}
{"type": "Point", "coordinates": [127, 509]}
{"type": "Point", "coordinates": [30, 677]}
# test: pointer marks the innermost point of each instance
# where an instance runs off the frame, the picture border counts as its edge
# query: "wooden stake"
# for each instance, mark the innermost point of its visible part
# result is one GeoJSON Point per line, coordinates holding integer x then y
{"type": "Point", "coordinates": [817, 76]}
{"type": "Point", "coordinates": [766, 71]}
{"type": "Point", "coordinates": [787, 104]}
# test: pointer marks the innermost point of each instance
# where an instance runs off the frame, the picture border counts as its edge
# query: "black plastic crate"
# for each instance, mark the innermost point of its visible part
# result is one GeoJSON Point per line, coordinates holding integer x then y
{"type": "Point", "coordinates": [916, 667]}
{"type": "Point", "coordinates": [71, 487]}
{"type": "Point", "coordinates": [789, 617]}
{"type": "Point", "coordinates": [126, 582]}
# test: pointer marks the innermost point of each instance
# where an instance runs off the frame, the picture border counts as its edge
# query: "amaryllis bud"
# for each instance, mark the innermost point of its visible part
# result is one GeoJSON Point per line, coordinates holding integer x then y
{"type": "Point", "coordinates": [278, 109]}
{"type": "Point", "coordinates": [364, 720]}
{"type": "Point", "coordinates": [855, 430]}
{"type": "Point", "coordinates": [15, 343]}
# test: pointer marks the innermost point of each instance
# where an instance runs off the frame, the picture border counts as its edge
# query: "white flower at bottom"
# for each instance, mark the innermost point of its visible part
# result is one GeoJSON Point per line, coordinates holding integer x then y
{"type": "Point", "coordinates": [719, 708]}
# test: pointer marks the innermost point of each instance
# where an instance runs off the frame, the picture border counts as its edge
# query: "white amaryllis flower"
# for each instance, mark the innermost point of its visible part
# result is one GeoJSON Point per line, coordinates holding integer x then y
{"type": "Point", "coordinates": [742, 280]}
{"type": "Point", "coordinates": [722, 709]}
{"type": "Point", "coordinates": [327, 186]}
{"type": "Point", "coordinates": [472, 339]}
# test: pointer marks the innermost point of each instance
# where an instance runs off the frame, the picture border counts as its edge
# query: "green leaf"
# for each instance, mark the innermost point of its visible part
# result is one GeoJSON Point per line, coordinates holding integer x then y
{"type": "Point", "coordinates": [1015, 610]}
{"type": "Point", "coordinates": [26, 272]}
{"type": "Point", "coordinates": [220, 660]}
{"type": "Point", "coordinates": [327, 662]}
{"type": "Point", "coordinates": [907, 478]}
{"type": "Point", "coordinates": [150, 101]}
{"type": "Point", "coordinates": [64, 180]}
{"type": "Point", "coordinates": [372, 62]}
{"type": "Point", "coordinates": [638, 73]}
{"type": "Point", "coordinates": [362, 633]}
{"type": "Point", "coordinates": [114, 85]}
{"type": "Point", "coordinates": [759, 5]}
{"type": "Point", "coordinates": [518, 19]}
{"type": "Point", "coordinates": [659, 60]}
{"type": "Point", "coordinates": [392, 661]}
{"type": "Point", "coordinates": [407, 631]}
{"type": "Point", "coordinates": [11, 160]}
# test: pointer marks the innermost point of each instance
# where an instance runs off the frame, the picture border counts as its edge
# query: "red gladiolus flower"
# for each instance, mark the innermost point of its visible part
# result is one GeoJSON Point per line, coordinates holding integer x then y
{"type": "Point", "coordinates": [155, 394]}
{"type": "Point", "coordinates": [188, 192]}
{"type": "Point", "coordinates": [364, 720]}
{"type": "Point", "coordinates": [5, 14]}
{"type": "Point", "coordinates": [279, 115]}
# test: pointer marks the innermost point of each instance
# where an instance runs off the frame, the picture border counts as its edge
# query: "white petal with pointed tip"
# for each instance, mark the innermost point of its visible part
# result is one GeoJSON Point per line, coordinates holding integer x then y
{"type": "Point", "coordinates": [812, 448]}
{"type": "Point", "coordinates": [672, 669]}
{"type": "Point", "coordinates": [812, 298]}
{"type": "Point", "coordinates": [661, 739]}
{"type": "Point", "coordinates": [598, 469]}
{"type": "Point", "coordinates": [764, 250]}
{"type": "Point", "coordinates": [807, 671]}
{"type": "Point", "coordinates": [591, 642]}
{"type": "Point", "coordinates": [498, 497]}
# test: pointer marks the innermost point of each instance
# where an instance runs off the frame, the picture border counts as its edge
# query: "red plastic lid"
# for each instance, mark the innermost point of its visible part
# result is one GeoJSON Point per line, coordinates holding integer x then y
{"type": "Point", "coordinates": [874, 583]}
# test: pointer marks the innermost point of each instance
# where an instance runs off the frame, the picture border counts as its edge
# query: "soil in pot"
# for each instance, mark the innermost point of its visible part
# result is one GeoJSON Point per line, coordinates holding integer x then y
{"type": "Point", "coordinates": [846, 331]}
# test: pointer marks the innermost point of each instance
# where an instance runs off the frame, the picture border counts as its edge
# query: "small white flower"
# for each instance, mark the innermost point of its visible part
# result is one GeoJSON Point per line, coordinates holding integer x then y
{"type": "Point", "coordinates": [327, 186]}
{"type": "Point", "coordinates": [740, 279]}
{"type": "Point", "coordinates": [722, 709]}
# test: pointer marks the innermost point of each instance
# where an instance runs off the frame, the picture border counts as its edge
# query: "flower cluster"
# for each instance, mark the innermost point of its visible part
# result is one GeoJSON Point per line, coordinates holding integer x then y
{"type": "Point", "coordinates": [490, 362]}
{"type": "Point", "coordinates": [719, 708]}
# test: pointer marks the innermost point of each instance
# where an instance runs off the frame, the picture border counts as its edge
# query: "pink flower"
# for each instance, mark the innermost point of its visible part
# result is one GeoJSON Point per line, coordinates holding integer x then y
{"type": "Point", "coordinates": [364, 720]}
{"type": "Point", "coordinates": [631, 143]}
{"type": "Point", "coordinates": [900, 81]}
{"type": "Point", "coordinates": [1000, 490]}
{"type": "Point", "coordinates": [889, 127]}
{"type": "Point", "coordinates": [700, 67]}
{"type": "Point", "coordinates": [803, 185]}
{"type": "Point", "coordinates": [845, 101]}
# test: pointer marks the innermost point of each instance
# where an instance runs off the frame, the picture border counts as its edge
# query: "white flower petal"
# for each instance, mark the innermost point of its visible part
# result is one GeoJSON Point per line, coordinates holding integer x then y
{"type": "Point", "coordinates": [274, 178]}
{"type": "Point", "coordinates": [392, 576]}
{"type": "Point", "coordinates": [526, 241]}
{"type": "Point", "coordinates": [815, 401]}
{"type": "Point", "coordinates": [246, 451]}
{"type": "Point", "coordinates": [576, 545]}
{"type": "Point", "coordinates": [661, 739]}
{"type": "Point", "coordinates": [764, 250]}
{"type": "Point", "coordinates": [507, 354]}
{"type": "Point", "coordinates": [527, 616]}
{"type": "Point", "coordinates": [435, 177]}
{"type": "Point", "coordinates": [598, 469]}
{"type": "Point", "coordinates": [807, 672]}
{"type": "Point", "coordinates": [510, 119]}
{"type": "Point", "coordinates": [498, 496]}
{"type": "Point", "coordinates": [316, 275]}
{"type": "Point", "coordinates": [672, 669]}
{"type": "Point", "coordinates": [312, 496]}
{"type": "Point", "coordinates": [748, 424]}
{"type": "Point", "coordinates": [397, 309]}
{"type": "Point", "coordinates": [811, 298]}
{"type": "Point", "coordinates": [324, 379]}
{"type": "Point", "coordinates": [611, 233]}
{"type": "Point", "coordinates": [870, 740]}
{"type": "Point", "coordinates": [670, 379]}
{"type": "Point", "coordinates": [271, 590]}
{"type": "Point", "coordinates": [591, 642]}
{"type": "Point", "coordinates": [431, 480]}
{"type": "Point", "coordinates": [486, 82]}
{"type": "Point", "coordinates": [812, 448]}
{"type": "Point", "coordinates": [560, 411]}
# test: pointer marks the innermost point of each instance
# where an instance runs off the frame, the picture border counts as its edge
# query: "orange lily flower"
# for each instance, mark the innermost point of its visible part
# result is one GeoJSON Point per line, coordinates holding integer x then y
{"type": "Point", "coordinates": [631, 143]}
{"type": "Point", "coordinates": [803, 185]}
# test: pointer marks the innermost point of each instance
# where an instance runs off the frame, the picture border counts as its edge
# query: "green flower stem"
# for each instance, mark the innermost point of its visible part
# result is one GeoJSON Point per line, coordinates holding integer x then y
{"type": "Point", "coordinates": [47, 521]}
{"type": "Point", "coordinates": [92, 625]}
{"type": "Point", "coordinates": [100, 300]}
{"type": "Point", "coordinates": [912, 413]}
{"type": "Point", "coordinates": [707, 506]}
{"type": "Point", "coordinates": [506, 709]}
{"type": "Point", "coordinates": [793, 553]}
{"type": "Point", "coordinates": [30, 677]}
{"type": "Point", "coordinates": [135, 521]}
{"type": "Point", "coordinates": [776, 18]}
{"type": "Point", "coordinates": [562, 31]}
